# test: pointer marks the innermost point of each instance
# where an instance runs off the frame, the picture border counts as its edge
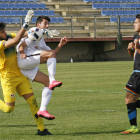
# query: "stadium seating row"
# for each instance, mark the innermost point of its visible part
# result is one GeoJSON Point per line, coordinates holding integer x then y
{"type": "Point", "coordinates": [24, 12]}
{"type": "Point", "coordinates": [122, 19]}
{"type": "Point", "coordinates": [116, 5]}
{"type": "Point", "coordinates": [120, 12]}
{"type": "Point", "coordinates": [17, 20]}
{"type": "Point", "coordinates": [18, 0]}
{"type": "Point", "coordinates": [111, 0]}
{"type": "Point", "coordinates": [23, 6]}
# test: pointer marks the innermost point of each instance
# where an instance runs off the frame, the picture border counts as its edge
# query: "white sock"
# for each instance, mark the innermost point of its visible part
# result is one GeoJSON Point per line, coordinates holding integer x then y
{"type": "Point", "coordinates": [46, 96]}
{"type": "Point", "coordinates": [51, 64]}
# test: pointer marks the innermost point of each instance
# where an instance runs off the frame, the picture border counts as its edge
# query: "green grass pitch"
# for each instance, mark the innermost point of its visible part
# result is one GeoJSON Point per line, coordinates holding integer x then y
{"type": "Point", "coordinates": [89, 105]}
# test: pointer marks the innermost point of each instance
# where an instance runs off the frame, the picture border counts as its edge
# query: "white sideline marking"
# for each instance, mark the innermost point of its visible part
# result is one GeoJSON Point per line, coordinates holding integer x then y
{"type": "Point", "coordinates": [88, 91]}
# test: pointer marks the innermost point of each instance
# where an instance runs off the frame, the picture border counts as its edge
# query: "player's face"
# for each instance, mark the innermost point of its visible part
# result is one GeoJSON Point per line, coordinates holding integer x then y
{"type": "Point", "coordinates": [44, 24]}
{"type": "Point", "coordinates": [3, 34]}
{"type": "Point", "coordinates": [137, 25]}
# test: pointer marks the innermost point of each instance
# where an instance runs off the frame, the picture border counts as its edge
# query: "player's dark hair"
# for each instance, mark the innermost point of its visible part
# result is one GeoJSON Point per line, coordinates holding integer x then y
{"type": "Point", "coordinates": [40, 19]}
{"type": "Point", "coordinates": [138, 16]}
{"type": "Point", "coordinates": [2, 26]}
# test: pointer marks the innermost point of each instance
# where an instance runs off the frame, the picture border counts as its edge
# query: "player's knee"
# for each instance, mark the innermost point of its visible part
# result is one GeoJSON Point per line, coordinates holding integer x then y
{"type": "Point", "coordinates": [9, 109]}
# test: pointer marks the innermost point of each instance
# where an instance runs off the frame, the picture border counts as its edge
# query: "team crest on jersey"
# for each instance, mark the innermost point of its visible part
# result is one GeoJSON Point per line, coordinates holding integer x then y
{"type": "Point", "coordinates": [12, 95]}
{"type": "Point", "coordinates": [36, 47]}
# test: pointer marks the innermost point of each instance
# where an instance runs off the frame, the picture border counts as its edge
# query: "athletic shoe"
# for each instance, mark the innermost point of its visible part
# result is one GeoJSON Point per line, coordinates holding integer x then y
{"type": "Point", "coordinates": [44, 132]}
{"type": "Point", "coordinates": [132, 129]}
{"type": "Point", "coordinates": [55, 84]}
{"type": "Point", "coordinates": [45, 114]}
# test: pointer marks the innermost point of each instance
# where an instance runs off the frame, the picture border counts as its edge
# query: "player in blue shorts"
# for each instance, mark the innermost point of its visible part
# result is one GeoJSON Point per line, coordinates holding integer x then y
{"type": "Point", "coordinates": [11, 78]}
{"type": "Point", "coordinates": [133, 86]}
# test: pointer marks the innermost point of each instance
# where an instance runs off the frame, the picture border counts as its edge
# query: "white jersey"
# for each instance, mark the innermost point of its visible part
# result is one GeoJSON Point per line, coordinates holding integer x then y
{"type": "Point", "coordinates": [33, 47]}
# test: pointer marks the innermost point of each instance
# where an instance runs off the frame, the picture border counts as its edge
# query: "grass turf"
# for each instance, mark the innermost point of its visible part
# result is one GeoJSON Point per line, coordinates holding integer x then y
{"type": "Point", "coordinates": [89, 105]}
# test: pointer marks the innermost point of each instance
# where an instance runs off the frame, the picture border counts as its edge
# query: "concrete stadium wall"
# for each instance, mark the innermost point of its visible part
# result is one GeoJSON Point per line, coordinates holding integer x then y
{"type": "Point", "coordinates": [88, 51]}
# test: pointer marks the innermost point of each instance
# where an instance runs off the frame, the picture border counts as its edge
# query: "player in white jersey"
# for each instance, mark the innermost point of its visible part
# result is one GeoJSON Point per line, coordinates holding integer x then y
{"type": "Point", "coordinates": [30, 55]}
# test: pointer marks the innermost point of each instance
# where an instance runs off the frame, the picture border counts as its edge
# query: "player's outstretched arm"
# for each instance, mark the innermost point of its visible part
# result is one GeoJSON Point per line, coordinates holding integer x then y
{"type": "Point", "coordinates": [137, 45]}
{"type": "Point", "coordinates": [130, 49]}
{"type": "Point", "coordinates": [63, 41]}
{"type": "Point", "coordinates": [16, 40]}
{"type": "Point", "coordinates": [21, 50]}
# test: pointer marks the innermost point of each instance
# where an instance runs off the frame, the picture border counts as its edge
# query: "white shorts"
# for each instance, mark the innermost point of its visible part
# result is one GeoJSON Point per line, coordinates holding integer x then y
{"type": "Point", "coordinates": [31, 73]}
{"type": "Point", "coordinates": [28, 63]}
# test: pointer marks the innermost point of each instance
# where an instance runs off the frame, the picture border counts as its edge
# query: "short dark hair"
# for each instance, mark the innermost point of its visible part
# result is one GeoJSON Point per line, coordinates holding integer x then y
{"type": "Point", "coordinates": [40, 19]}
{"type": "Point", "coordinates": [138, 16]}
{"type": "Point", "coordinates": [2, 26]}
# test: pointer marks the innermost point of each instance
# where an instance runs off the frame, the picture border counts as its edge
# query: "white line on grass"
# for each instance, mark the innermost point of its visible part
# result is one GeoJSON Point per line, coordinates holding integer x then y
{"type": "Point", "coordinates": [88, 91]}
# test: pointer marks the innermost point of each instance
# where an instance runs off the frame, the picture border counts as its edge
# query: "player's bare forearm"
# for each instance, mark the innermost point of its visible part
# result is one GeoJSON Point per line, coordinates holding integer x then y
{"type": "Point", "coordinates": [131, 52]}
{"type": "Point", "coordinates": [16, 40]}
{"type": "Point", "coordinates": [63, 41]}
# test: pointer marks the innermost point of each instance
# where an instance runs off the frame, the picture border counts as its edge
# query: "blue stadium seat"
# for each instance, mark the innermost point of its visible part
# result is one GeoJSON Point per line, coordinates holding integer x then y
{"type": "Point", "coordinates": [104, 12]}
{"type": "Point", "coordinates": [115, 12]}
{"type": "Point", "coordinates": [126, 12]}
{"type": "Point", "coordinates": [117, 6]}
{"type": "Point", "coordinates": [60, 20]}
{"type": "Point", "coordinates": [113, 19]}
{"type": "Point", "coordinates": [1, 13]}
{"type": "Point", "coordinates": [11, 6]}
{"type": "Point", "coordinates": [121, 12]}
{"type": "Point", "coordinates": [134, 5]}
{"type": "Point", "coordinates": [34, 20]}
{"type": "Point", "coordinates": [45, 12]}
{"type": "Point", "coordinates": [112, 6]}
{"type": "Point", "coordinates": [122, 5]}
{"type": "Point", "coordinates": [16, 20]}
{"type": "Point", "coordinates": [24, 5]}
{"type": "Point", "coordinates": [128, 5]}
{"type": "Point", "coordinates": [4, 6]}
{"type": "Point", "coordinates": [13, 13]}
{"type": "Point", "coordinates": [51, 13]}
{"type": "Point", "coordinates": [131, 19]}
{"type": "Point", "coordinates": [20, 13]}
{"type": "Point", "coordinates": [18, 6]}
{"type": "Point", "coordinates": [6, 13]}
{"type": "Point", "coordinates": [3, 20]}
{"type": "Point", "coordinates": [38, 13]}
{"type": "Point", "coordinates": [132, 12]}
{"type": "Point", "coordinates": [30, 6]}
{"type": "Point", "coordinates": [43, 6]}
{"type": "Point", "coordinates": [36, 5]}
{"type": "Point", "coordinates": [9, 20]}
{"type": "Point", "coordinates": [53, 20]}
{"type": "Point", "coordinates": [95, 6]}
{"type": "Point", "coordinates": [137, 12]}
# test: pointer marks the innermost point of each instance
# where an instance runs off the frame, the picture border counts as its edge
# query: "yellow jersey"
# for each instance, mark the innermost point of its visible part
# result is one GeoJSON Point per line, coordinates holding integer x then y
{"type": "Point", "coordinates": [8, 59]}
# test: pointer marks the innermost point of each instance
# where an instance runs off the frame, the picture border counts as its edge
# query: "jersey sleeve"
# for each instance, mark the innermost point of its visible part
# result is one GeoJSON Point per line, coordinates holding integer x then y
{"type": "Point", "coordinates": [2, 48]}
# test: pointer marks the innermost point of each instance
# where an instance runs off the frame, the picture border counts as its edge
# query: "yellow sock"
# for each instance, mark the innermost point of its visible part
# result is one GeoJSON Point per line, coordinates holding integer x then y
{"type": "Point", "coordinates": [6, 108]}
{"type": "Point", "coordinates": [34, 108]}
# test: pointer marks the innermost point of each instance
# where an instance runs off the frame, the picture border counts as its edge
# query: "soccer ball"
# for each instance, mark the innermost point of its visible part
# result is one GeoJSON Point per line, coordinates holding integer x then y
{"type": "Point", "coordinates": [35, 34]}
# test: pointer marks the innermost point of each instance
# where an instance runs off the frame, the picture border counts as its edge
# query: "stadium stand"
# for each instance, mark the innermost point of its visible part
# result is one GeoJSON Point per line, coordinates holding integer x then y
{"type": "Point", "coordinates": [80, 14]}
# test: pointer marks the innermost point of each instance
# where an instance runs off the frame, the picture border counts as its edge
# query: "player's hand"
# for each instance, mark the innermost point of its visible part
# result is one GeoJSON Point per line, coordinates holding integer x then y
{"type": "Point", "coordinates": [23, 55]}
{"type": "Point", "coordinates": [29, 16]}
{"type": "Point", "coordinates": [130, 46]}
{"type": "Point", "coordinates": [63, 41]}
{"type": "Point", "coordinates": [136, 42]}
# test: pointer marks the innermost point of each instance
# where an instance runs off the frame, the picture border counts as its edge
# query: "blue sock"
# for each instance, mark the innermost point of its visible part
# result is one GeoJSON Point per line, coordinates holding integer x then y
{"type": "Point", "coordinates": [132, 113]}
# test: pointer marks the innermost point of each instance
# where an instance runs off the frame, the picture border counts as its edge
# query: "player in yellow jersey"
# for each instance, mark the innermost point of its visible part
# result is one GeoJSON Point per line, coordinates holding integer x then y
{"type": "Point", "coordinates": [11, 78]}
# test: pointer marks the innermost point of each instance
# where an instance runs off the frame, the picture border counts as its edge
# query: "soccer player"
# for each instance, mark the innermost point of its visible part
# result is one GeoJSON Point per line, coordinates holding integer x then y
{"type": "Point", "coordinates": [133, 86]}
{"type": "Point", "coordinates": [34, 54]}
{"type": "Point", "coordinates": [11, 78]}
